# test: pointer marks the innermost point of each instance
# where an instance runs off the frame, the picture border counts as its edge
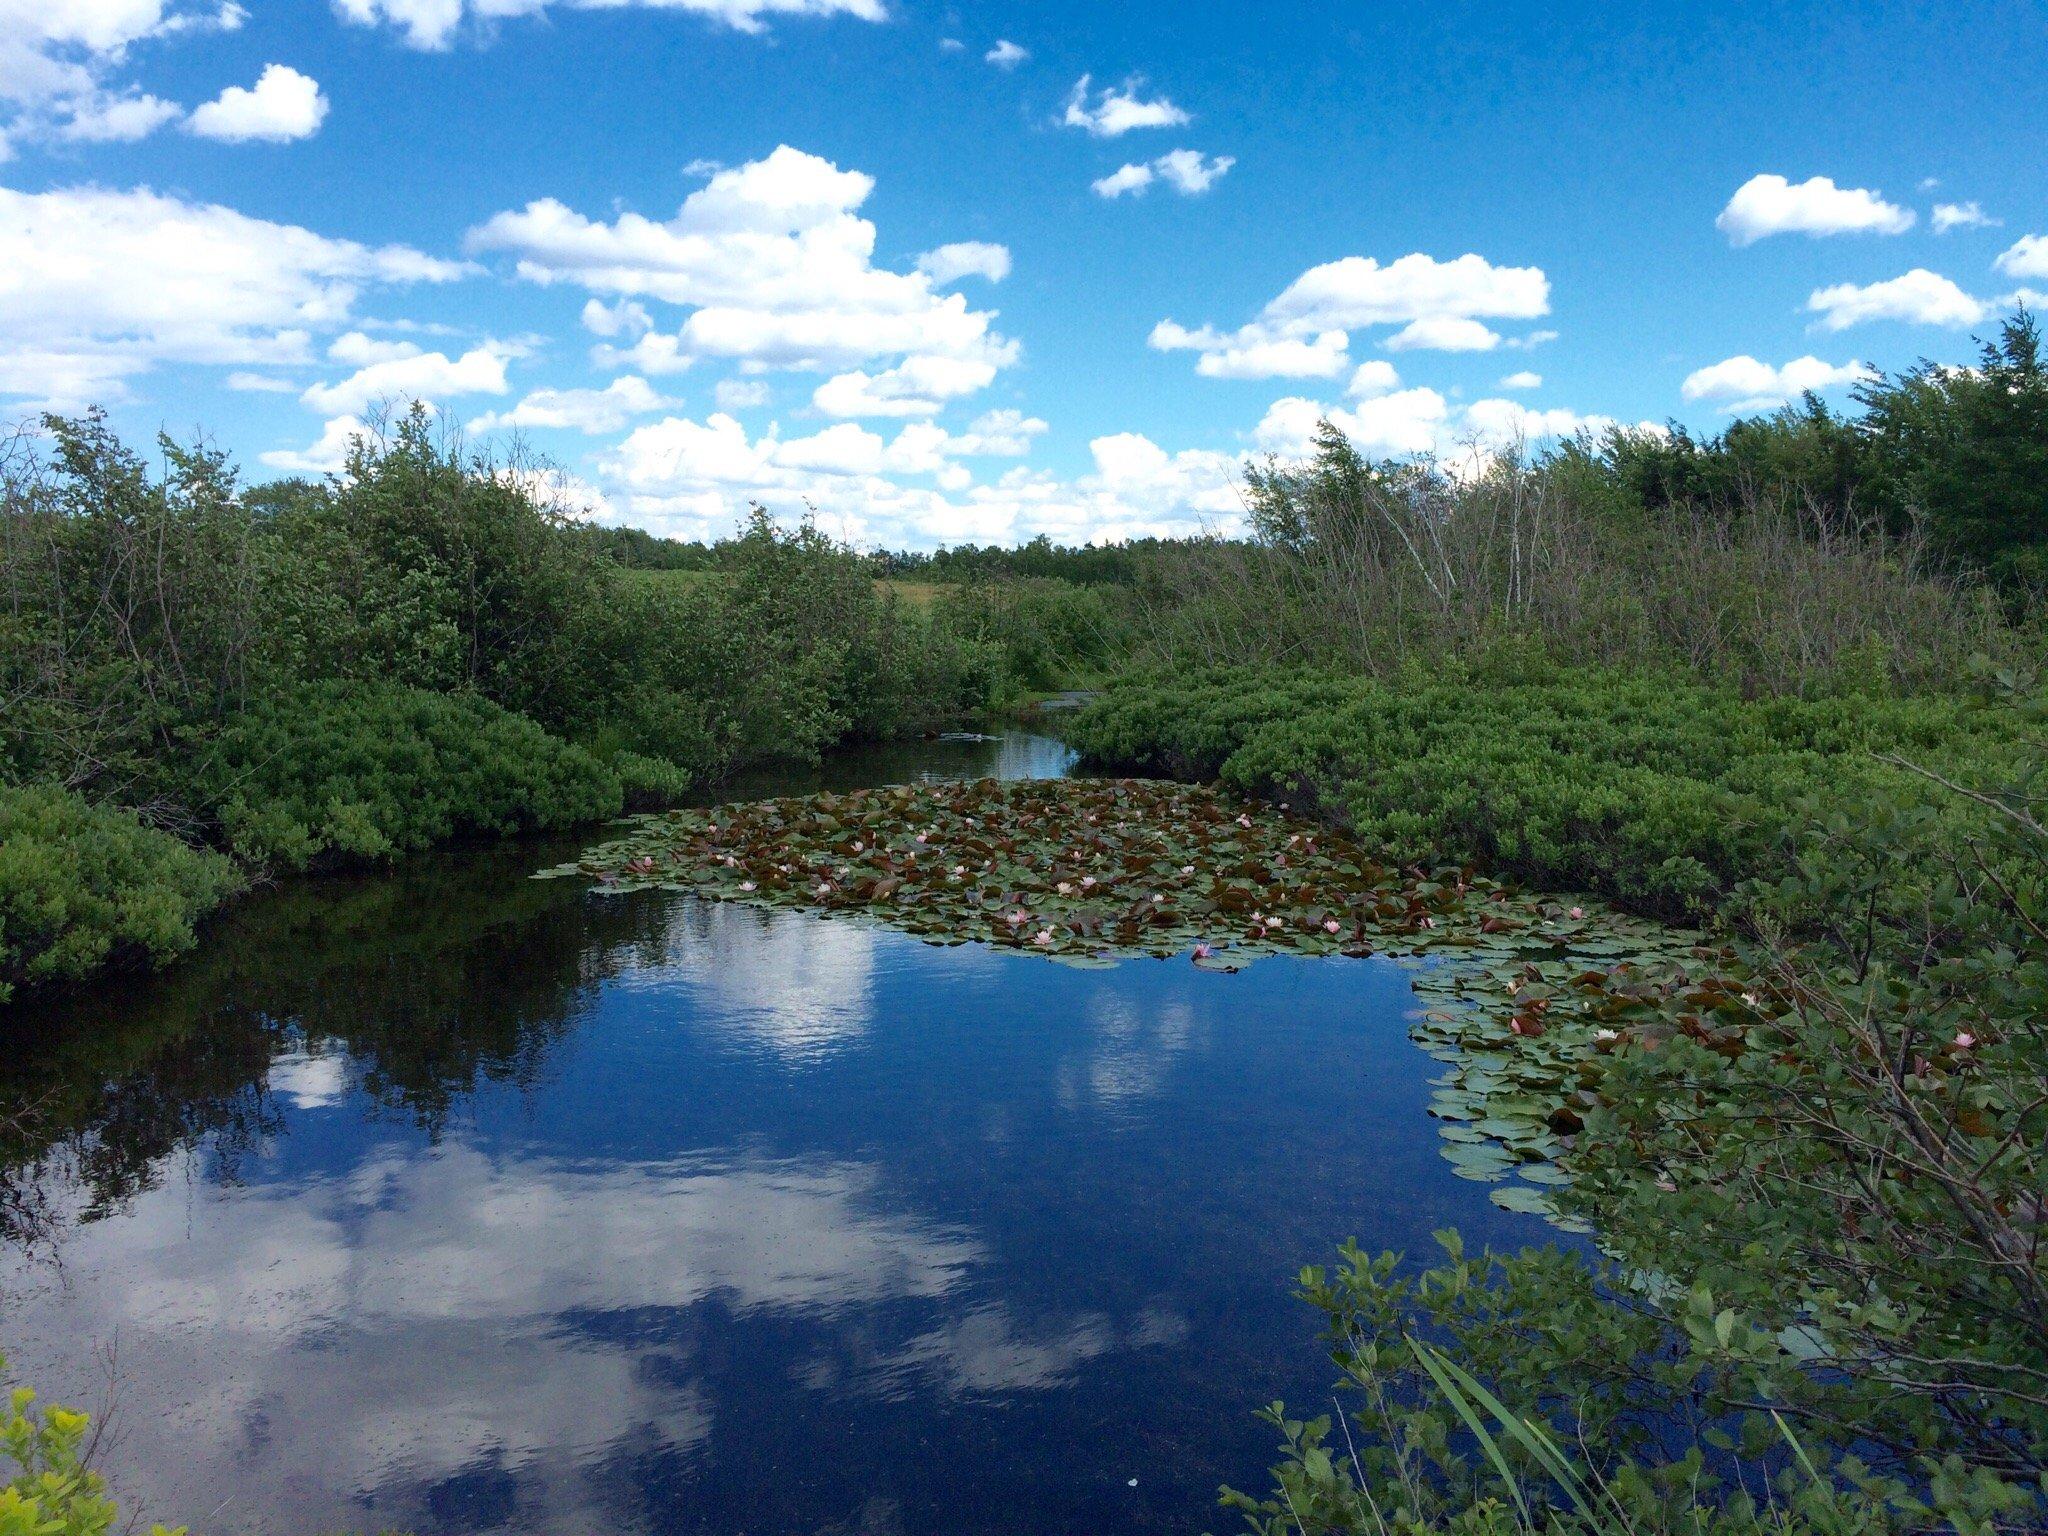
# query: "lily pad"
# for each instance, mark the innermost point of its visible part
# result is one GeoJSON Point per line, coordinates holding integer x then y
{"type": "Point", "coordinates": [1526, 996]}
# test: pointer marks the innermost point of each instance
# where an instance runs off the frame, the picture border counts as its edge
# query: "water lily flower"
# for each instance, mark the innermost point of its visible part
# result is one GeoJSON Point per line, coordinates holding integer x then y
{"type": "Point", "coordinates": [746, 885]}
{"type": "Point", "coordinates": [1576, 912]}
{"type": "Point", "coordinates": [1964, 1040]}
{"type": "Point", "coordinates": [1243, 820]}
{"type": "Point", "coordinates": [920, 837]}
{"type": "Point", "coordinates": [1156, 900]}
{"type": "Point", "coordinates": [1203, 952]}
{"type": "Point", "coordinates": [1187, 869]}
{"type": "Point", "coordinates": [1607, 1036]}
{"type": "Point", "coordinates": [959, 869]}
{"type": "Point", "coordinates": [1331, 925]}
{"type": "Point", "coordinates": [1065, 888]}
{"type": "Point", "coordinates": [860, 847]}
{"type": "Point", "coordinates": [1087, 881]}
{"type": "Point", "coordinates": [1042, 938]}
{"type": "Point", "coordinates": [824, 888]}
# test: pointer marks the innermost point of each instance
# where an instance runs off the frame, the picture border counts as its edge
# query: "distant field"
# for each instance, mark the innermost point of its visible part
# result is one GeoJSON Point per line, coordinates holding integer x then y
{"type": "Point", "coordinates": [912, 594]}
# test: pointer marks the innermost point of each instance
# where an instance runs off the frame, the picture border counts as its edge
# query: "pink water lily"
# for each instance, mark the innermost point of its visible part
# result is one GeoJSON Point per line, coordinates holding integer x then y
{"type": "Point", "coordinates": [1244, 821]}
{"type": "Point", "coordinates": [1331, 925]}
{"type": "Point", "coordinates": [1965, 1040]}
{"type": "Point", "coordinates": [1203, 952]}
{"type": "Point", "coordinates": [1015, 919]}
{"type": "Point", "coordinates": [1087, 881]}
{"type": "Point", "coordinates": [1043, 938]}
{"type": "Point", "coordinates": [746, 885]}
{"type": "Point", "coordinates": [1576, 912]}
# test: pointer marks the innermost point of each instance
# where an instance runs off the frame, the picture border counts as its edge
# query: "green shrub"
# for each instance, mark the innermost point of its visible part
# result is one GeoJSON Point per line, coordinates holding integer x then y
{"type": "Point", "coordinates": [337, 774]}
{"type": "Point", "coordinates": [83, 886]}
{"type": "Point", "coordinates": [1049, 633]}
{"type": "Point", "coordinates": [46, 1489]}
{"type": "Point", "coordinates": [1819, 1175]}
{"type": "Point", "coordinates": [1657, 792]}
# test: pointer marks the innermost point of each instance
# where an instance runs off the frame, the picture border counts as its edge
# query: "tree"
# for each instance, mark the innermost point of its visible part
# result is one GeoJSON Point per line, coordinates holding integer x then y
{"type": "Point", "coordinates": [1967, 448]}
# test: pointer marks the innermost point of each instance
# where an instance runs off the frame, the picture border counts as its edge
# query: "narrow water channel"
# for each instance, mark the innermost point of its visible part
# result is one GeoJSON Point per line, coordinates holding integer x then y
{"type": "Point", "coordinates": [451, 1201]}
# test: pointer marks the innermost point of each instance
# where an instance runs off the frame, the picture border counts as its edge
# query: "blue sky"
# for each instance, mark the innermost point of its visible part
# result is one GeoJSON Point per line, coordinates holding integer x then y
{"type": "Point", "coordinates": [674, 248]}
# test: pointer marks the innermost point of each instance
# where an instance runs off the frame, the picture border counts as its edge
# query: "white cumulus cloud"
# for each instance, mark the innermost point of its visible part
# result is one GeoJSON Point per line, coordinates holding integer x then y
{"type": "Point", "coordinates": [1523, 379]}
{"type": "Point", "coordinates": [1771, 205]}
{"type": "Point", "coordinates": [282, 106]}
{"type": "Point", "coordinates": [1375, 376]}
{"type": "Point", "coordinates": [2026, 257]}
{"type": "Point", "coordinates": [775, 267]}
{"type": "Point", "coordinates": [430, 376]}
{"type": "Point", "coordinates": [433, 24]}
{"type": "Point", "coordinates": [1006, 54]}
{"type": "Point", "coordinates": [917, 386]}
{"type": "Point", "coordinates": [1437, 304]}
{"type": "Point", "coordinates": [1187, 171]}
{"type": "Point", "coordinates": [1948, 216]}
{"type": "Point", "coordinates": [947, 264]}
{"type": "Point", "coordinates": [60, 59]}
{"type": "Point", "coordinates": [1918, 297]}
{"type": "Point", "coordinates": [1743, 383]}
{"type": "Point", "coordinates": [1117, 110]}
{"type": "Point", "coordinates": [1444, 333]}
{"type": "Point", "coordinates": [325, 455]}
{"type": "Point", "coordinates": [98, 286]}
{"type": "Point", "coordinates": [1252, 354]}
{"type": "Point", "coordinates": [579, 410]}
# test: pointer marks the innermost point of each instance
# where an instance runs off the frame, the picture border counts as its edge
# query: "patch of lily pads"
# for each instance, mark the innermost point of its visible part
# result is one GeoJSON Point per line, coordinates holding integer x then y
{"type": "Point", "coordinates": [1522, 994]}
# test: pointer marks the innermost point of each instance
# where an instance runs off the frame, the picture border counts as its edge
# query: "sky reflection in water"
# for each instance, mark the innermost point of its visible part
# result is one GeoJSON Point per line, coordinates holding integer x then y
{"type": "Point", "coordinates": [451, 1201]}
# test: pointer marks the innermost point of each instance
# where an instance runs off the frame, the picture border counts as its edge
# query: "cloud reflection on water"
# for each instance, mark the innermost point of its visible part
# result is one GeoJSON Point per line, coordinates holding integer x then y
{"type": "Point", "coordinates": [433, 1315]}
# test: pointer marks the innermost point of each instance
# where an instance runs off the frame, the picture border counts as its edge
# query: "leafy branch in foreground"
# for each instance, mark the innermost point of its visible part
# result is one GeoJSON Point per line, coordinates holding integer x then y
{"type": "Point", "coordinates": [47, 1487]}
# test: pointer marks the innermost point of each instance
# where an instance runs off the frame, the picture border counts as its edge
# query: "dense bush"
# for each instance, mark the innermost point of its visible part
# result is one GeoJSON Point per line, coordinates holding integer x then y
{"type": "Point", "coordinates": [1049, 633]}
{"type": "Point", "coordinates": [1655, 791]}
{"type": "Point", "coordinates": [1373, 568]}
{"type": "Point", "coordinates": [82, 885]}
{"type": "Point", "coordinates": [1825, 1303]}
{"type": "Point", "coordinates": [337, 774]}
{"type": "Point", "coordinates": [422, 647]}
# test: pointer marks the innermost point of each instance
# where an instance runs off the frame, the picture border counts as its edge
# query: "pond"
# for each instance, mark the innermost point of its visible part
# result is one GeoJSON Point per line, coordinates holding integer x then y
{"type": "Point", "coordinates": [451, 1200]}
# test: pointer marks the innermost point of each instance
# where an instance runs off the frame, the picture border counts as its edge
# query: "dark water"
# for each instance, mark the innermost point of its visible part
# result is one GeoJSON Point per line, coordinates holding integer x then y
{"type": "Point", "coordinates": [456, 1201]}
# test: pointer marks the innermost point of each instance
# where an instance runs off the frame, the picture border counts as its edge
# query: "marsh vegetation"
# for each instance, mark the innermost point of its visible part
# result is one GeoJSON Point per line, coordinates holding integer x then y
{"type": "Point", "coordinates": [1704, 774]}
